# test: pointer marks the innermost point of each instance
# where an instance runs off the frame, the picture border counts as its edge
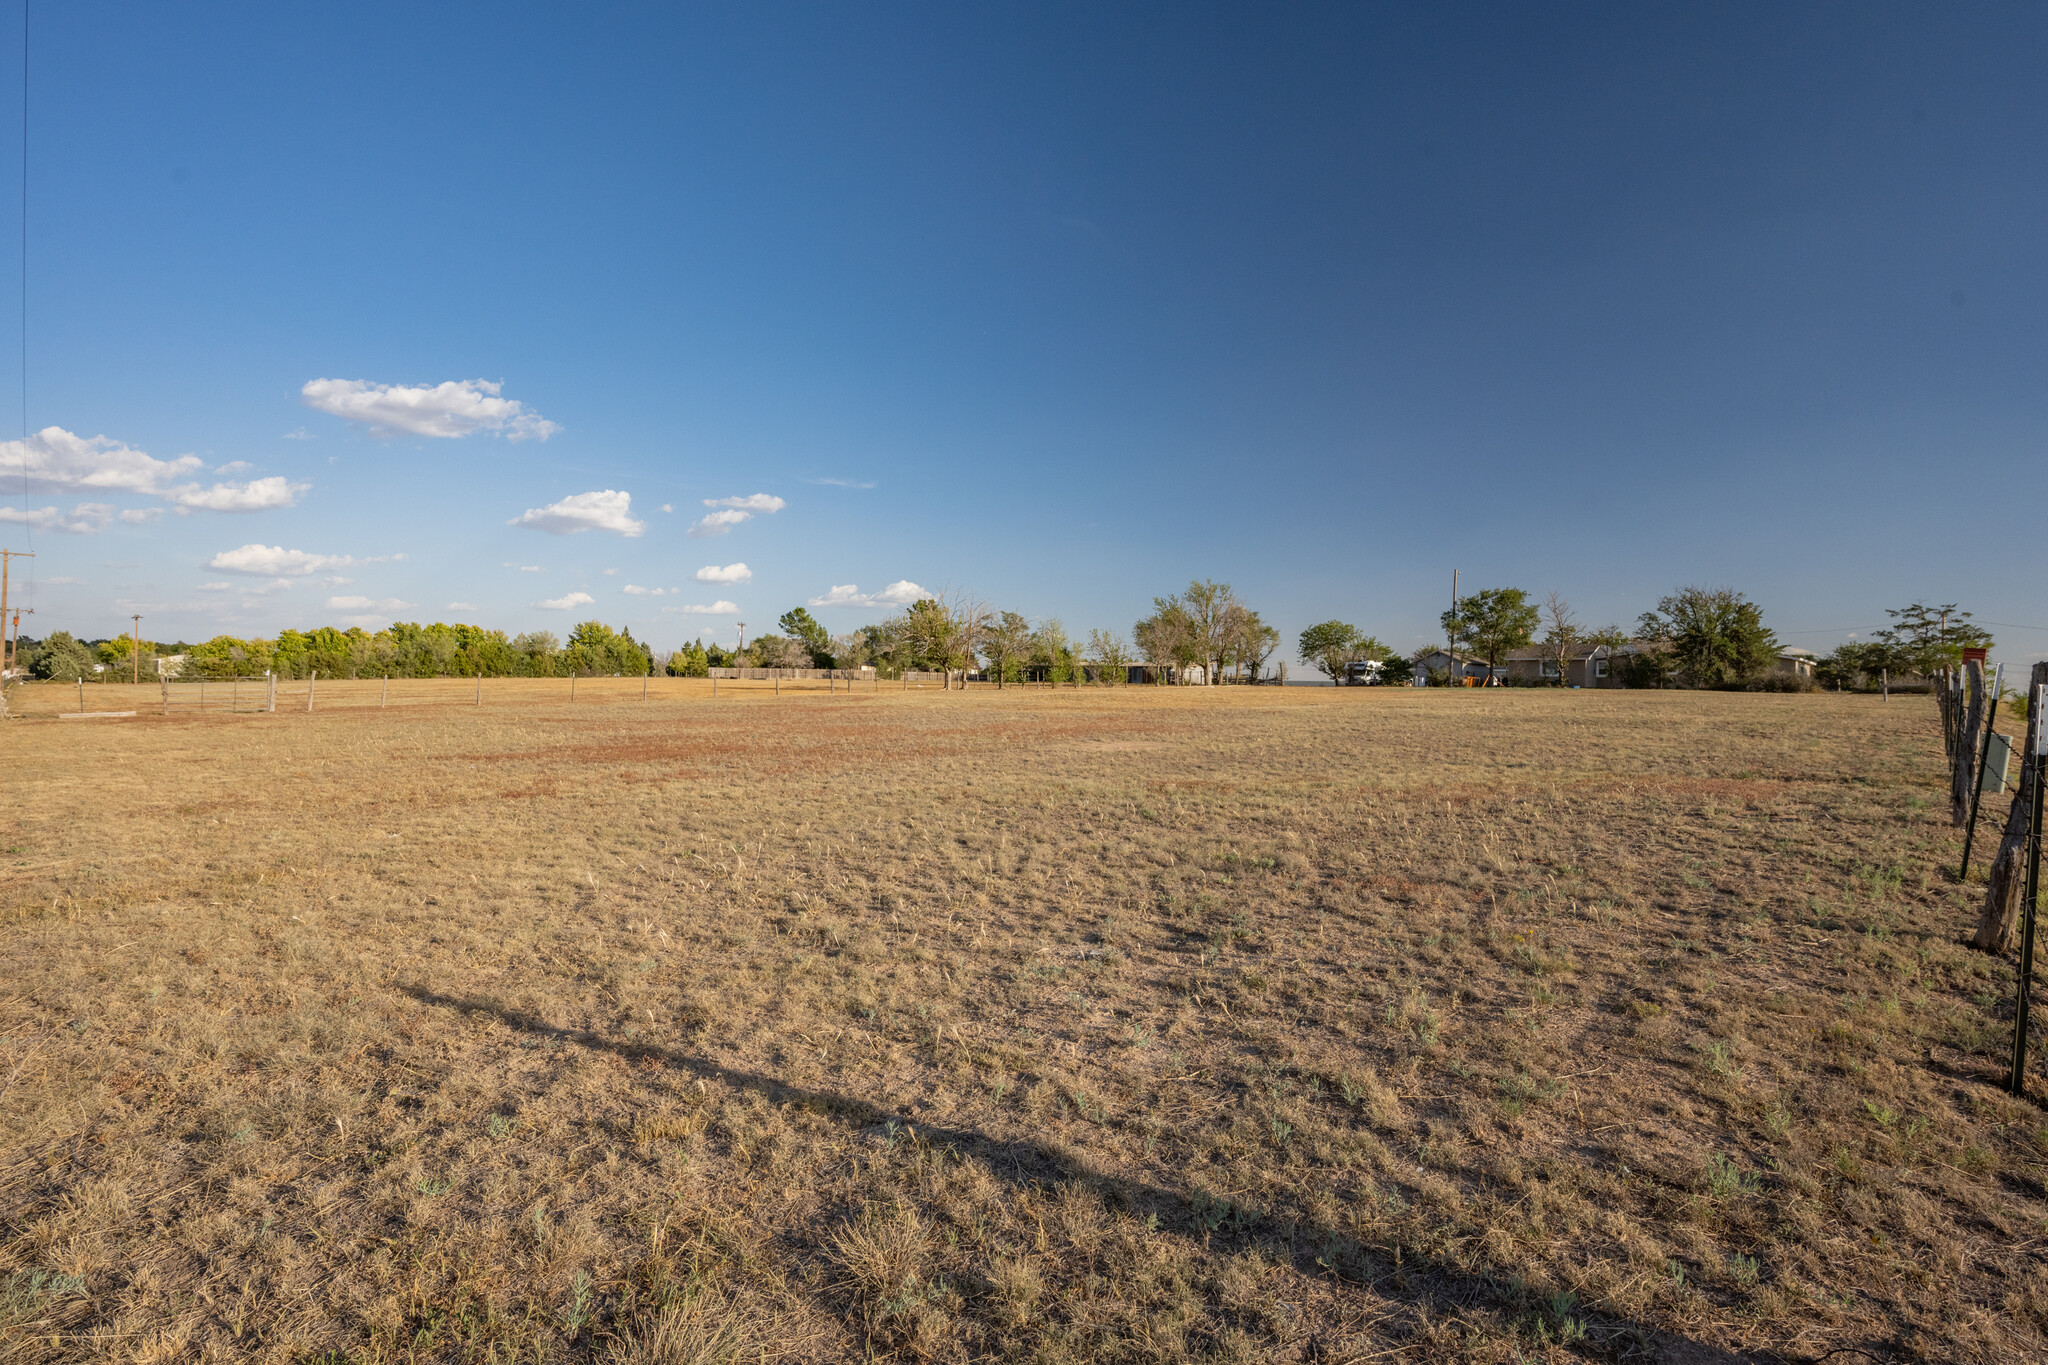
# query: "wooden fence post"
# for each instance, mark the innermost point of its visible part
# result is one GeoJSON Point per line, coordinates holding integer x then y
{"type": "Point", "coordinates": [311, 678]}
{"type": "Point", "coordinates": [2008, 866]}
{"type": "Point", "coordinates": [2030, 906]}
{"type": "Point", "coordinates": [384, 692]}
{"type": "Point", "coordinates": [572, 687]}
{"type": "Point", "coordinates": [1970, 723]}
{"type": "Point", "coordinates": [479, 687]}
{"type": "Point", "coordinates": [1983, 762]}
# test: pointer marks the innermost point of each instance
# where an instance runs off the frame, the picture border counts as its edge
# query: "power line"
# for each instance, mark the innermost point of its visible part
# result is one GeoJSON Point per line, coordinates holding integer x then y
{"type": "Point", "coordinates": [28, 522]}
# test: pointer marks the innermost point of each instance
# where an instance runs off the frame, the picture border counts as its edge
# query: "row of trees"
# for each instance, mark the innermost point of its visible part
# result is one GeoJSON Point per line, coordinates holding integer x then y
{"type": "Point", "coordinates": [403, 650]}
{"type": "Point", "coordinates": [1696, 637]}
{"type": "Point", "coordinates": [1207, 626]}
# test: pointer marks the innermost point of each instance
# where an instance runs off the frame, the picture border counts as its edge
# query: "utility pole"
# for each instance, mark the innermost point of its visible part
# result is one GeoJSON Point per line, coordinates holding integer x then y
{"type": "Point", "coordinates": [137, 670]}
{"type": "Point", "coordinates": [1453, 631]}
{"type": "Point", "coordinates": [8, 652]}
{"type": "Point", "coordinates": [743, 637]}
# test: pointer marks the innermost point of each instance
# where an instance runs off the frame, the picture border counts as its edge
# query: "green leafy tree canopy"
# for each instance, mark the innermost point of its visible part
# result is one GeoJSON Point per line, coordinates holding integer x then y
{"type": "Point", "coordinates": [1492, 622]}
{"type": "Point", "coordinates": [1717, 636]}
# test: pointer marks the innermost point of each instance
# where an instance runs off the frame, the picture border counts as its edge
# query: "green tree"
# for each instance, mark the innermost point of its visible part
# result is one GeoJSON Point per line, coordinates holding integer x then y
{"type": "Point", "coordinates": [803, 628]}
{"type": "Point", "coordinates": [1331, 646]}
{"type": "Point", "coordinates": [62, 658]}
{"type": "Point", "coordinates": [1854, 663]}
{"type": "Point", "coordinates": [1252, 642]}
{"type": "Point", "coordinates": [1111, 657]}
{"type": "Point", "coordinates": [1716, 635]}
{"type": "Point", "coordinates": [689, 662]}
{"type": "Point", "coordinates": [1006, 641]}
{"type": "Point", "coordinates": [595, 649]}
{"type": "Point", "coordinates": [1170, 636]}
{"type": "Point", "coordinates": [1492, 622]}
{"type": "Point", "coordinates": [1925, 640]}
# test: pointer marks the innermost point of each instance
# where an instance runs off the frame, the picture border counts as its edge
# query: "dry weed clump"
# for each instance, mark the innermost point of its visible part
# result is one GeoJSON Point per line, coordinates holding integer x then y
{"type": "Point", "coordinates": [1233, 1024]}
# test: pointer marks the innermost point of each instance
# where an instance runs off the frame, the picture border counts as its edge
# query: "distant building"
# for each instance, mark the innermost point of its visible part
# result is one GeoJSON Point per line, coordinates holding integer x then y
{"type": "Point", "coordinates": [1583, 665]}
{"type": "Point", "coordinates": [1463, 669]}
{"type": "Point", "coordinates": [1795, 663]}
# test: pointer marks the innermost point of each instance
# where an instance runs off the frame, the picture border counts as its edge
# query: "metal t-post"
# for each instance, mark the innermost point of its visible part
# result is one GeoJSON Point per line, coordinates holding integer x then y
{"type": "Point", "coordinates": [2029, 899]}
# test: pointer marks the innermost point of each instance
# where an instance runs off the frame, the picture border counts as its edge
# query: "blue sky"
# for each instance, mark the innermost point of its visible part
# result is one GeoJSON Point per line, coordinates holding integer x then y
{"type": "Point", "coordinates": [1059, 305]}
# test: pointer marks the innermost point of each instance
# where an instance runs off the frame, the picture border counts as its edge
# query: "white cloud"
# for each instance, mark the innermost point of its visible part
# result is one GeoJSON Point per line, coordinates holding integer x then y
{"type": "Point", "coordinates": [57, 582]}
{"type": "Point", "coordinates": [257, 495]}
{"type": "Point", "coordinates": [136, 516]}
{"type": "Point", "coordinates": [233, 467]}
{"type": "Point", "coordinates": [901, 593]}
{"type": "Point", "coordinates": [608, 510]}
{"type": "Point", "coordinates": [635, 590]}
{"type": "Point", "coordinates": [462, 606]}
{"type": "Point", "coordinates": [729, 573]}
{"type": "Point", "coordinates": [668, 507]}
{"type": "Point", "coordinates": [299, 435]}
{"type": "Point", "coordinates": [452, 409]}
{"type": "Point", "coordinates": [275, 559]}
{"type": "Point", "coordinates": [844, 483]}
{"type": "Point", "coordinates": [365, 604]}
{"type": "Point", "coordinates": [82, 520]}
{"type": "Point", "coordinates": [719, 608]}
{"type": "Point", "coordinates": [611, 573]}
{"type": "Point", "coordinates": [718, 523]}
{"type": "Point", "coordinates": [753, 502]}
{"type": "Point", "coordinates": [57, 461]}
{"type": "Point", "coordinates": [523, 568]}
{"type": "Point", "coordinates": [733, 511]}
{"type": "Point", "coordinates": [574, 599]}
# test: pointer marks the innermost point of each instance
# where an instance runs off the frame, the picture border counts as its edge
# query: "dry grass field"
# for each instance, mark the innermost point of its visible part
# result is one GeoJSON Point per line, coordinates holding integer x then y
{"type": "Point", "coordinates": [1233, 1024]}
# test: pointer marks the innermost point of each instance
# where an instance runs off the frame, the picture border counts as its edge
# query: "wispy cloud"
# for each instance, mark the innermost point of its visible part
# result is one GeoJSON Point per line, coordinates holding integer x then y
{"type": "Point", "coordinates": [719, 608]}
{"type": "Point", "coordinates": [668, 507]}
{"type": "Point", "coordinates": [901, 593]}
{"type": "Point", "coordinates": [733, 511]}
{"type": "Point", "coordinates": [728, 573]}
{"type": "Point", "coordinates": [365, 604]}
{"type": "Point", "coordinates": [233, 467]}
{"type": "Point", "coordinates": [844, 483]}
{"type": "Point", "coordinates": [82, 520]}
{"type": "Point", "coordinates": [752, 502]}
{"type": "Point", "coordinates": [301, 434]}
{"type": "Point", "coordinates": [62, 581]}
{"type": "Point", "coordinates": [635, 590]}
{"type": "Point", "coordinates": [57, 461]}
{"type": "Point", "coordinates": [523, 568]}
{"type": "Point", "coordinates": [452, 409]}
{"type": "Point", "coordinates": [462, 606]}
{"type": "Point", "coordinates": [568, 603]}
{"type": "Point", "coordinates": [605, 510]}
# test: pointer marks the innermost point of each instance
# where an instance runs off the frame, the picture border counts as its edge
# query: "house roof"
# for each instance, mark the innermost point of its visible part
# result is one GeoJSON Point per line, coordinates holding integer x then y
{"type": "Point", "coordinates": [1527, 652]}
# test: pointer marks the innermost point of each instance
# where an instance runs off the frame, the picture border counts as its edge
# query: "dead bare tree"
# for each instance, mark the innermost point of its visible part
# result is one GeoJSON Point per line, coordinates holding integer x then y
{"type": "Point", "coordinates": [1561, 638]}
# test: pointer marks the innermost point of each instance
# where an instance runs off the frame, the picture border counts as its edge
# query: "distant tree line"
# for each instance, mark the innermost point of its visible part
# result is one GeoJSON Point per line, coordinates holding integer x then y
{"type": "Point", "coordinates": [1696, 637]}
{"type": "Point", "coordinates": [403, 650]}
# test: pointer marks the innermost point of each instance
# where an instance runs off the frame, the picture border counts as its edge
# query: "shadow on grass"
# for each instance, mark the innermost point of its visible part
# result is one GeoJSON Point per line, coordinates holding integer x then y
{"type": "Point", "coordinates": [1396, 1275]}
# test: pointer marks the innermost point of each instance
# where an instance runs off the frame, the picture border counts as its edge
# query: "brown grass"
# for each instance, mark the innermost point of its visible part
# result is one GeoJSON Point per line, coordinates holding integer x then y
{"type": "Point", "coordinates": [1134, 1025]}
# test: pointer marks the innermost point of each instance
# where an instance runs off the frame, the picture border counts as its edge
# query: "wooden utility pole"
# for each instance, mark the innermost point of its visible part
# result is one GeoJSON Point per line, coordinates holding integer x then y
{"type": "Point", "coordinates": [136, 671]}
{"type": "Point", "coordinates": [9, 652]}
